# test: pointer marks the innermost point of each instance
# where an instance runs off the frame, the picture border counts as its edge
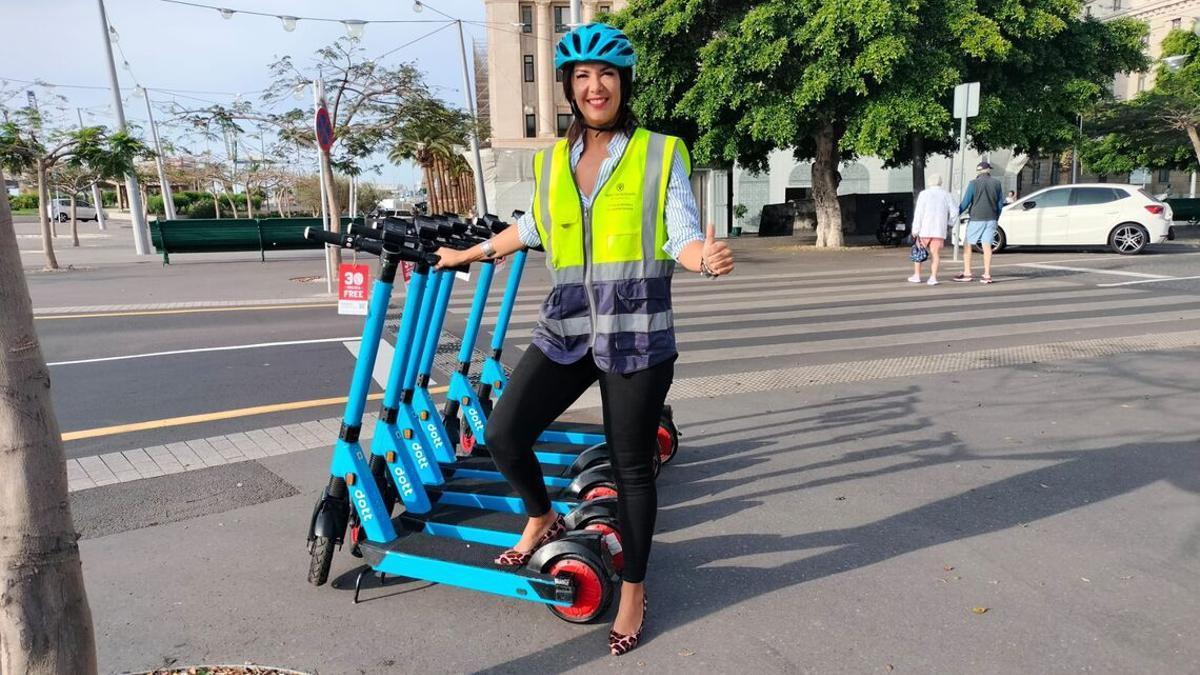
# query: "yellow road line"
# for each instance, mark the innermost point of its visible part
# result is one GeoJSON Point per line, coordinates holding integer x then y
{"type": "Point", "coordinates": [214, 416]}
{"type": "Point", "coordinates": [196, 310]}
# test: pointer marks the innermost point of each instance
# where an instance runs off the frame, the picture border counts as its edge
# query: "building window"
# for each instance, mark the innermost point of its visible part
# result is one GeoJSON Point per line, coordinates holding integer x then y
{"type": "Point", "coordinates": [1164, 175]}
{"type": "Point", "coordinates": [1116, 5]}
{"type": "Point", "coordinates": [558, 74]}
{"type": "Point", "coordinates": [529, 67]}
{"type": "Point", "coordinates": [564, 123]}
{"type": "Point", "coordinates": [562, 16]}
{"type": "Point", "coordinates": [1176, 24]}
{"type": "Point", "coordinates": [605, 9]}
{"type": "Point", "coordinates": [530, 126]}
{"type": "Point", "coordinates": [526, 18]}
{"type": "Point", "coordinates": [1088, 11]}
{"type": "Point", "coordinates": [1141, 82]}
{"type": "Point", "coordinates": [1054, 172]}
{"type": "Point", "coordinates": [1102, 178]}
{"type": "Point", "coordinates": [1036, 179]}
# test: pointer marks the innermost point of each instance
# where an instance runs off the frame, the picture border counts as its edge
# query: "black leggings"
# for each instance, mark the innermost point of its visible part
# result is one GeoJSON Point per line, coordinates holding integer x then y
{"type": "Point", "coordinates": [539, 391]}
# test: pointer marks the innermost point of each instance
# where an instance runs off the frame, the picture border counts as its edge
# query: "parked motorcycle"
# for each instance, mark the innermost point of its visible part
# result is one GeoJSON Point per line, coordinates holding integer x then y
{"type": "Point", "coordinates": [893, 228]}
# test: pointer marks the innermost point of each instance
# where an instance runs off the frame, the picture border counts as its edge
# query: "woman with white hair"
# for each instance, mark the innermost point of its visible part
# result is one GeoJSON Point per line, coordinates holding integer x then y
{"type": "Point", "coordinates": [935, 213]}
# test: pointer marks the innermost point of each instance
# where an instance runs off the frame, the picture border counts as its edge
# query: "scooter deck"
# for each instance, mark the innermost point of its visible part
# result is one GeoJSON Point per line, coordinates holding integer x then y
{"type": "Point", "coordinates": [417, 555]}
{"type": "Point", "coordinates": [476, 463]}
{"type": "Point", "coordinates": [475, 486]}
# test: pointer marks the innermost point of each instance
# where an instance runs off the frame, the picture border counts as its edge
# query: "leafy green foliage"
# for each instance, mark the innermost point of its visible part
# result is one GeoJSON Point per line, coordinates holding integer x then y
{"type": "Point", "coordinates": [1157, 129]}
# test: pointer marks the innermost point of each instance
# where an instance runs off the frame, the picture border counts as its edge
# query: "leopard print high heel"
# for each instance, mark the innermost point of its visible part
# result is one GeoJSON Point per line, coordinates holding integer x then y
{"type": "Point", "coordinates": [619, 643]}
{"type": "Point", "coordinates": [514, 558]}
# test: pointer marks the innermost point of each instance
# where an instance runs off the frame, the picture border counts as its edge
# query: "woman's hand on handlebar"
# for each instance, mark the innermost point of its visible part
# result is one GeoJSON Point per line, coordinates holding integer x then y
{"type": "Point", "coordinates": [448, 257]}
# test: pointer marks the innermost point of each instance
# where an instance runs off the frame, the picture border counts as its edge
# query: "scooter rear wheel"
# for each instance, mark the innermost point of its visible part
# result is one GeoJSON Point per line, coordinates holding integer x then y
{"type": "Point", "coordinates": [593, 588]}
{"type": "Point", "coordinates": [321, 551]}
{"type": "Point", "coordinates": [598, 490]}
{"type": "Point", "coordinates": [609, 530]}
{"type": "Point", "coordinates": [668, 441]}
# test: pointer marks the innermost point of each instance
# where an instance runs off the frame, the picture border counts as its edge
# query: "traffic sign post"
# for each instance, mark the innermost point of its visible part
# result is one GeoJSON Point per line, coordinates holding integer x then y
{"type": "Point", "coordinates": [324, 129]}
{"type": "Point", "coordinates": [966, 104]}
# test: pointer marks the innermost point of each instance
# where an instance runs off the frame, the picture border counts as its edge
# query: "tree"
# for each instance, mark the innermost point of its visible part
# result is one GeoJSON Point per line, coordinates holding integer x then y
{"type": "Point", "coordinates": [367, 102]}
{"type": "Point", "coordinates": [830, 81]}
{"type": "Point", "coordinates": [1157, 129]}
{"type": "Point", "coordinates": [72, 180]}
{"type": "Point", "coordinates": [45, 622]}
{"type": "Point", "coordinates": [26, 146]}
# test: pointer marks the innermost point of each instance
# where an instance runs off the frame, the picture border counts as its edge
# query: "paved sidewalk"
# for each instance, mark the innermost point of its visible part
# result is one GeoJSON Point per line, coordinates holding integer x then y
{"type": "Point", "coordinates": [843, 528]}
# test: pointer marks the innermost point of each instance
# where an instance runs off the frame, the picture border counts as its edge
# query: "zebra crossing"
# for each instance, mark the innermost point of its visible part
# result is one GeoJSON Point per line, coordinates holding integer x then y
{"type": "Point", "coordinates": [759, 322]}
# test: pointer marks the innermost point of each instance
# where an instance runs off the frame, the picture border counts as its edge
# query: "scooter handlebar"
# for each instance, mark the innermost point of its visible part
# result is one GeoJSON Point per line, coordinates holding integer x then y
{"type": "Point", "coordinates": [342, 240]}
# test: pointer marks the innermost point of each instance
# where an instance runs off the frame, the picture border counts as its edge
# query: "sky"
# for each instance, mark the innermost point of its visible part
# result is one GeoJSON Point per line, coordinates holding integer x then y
{"type": "Point", "coordinates": [204, 58]}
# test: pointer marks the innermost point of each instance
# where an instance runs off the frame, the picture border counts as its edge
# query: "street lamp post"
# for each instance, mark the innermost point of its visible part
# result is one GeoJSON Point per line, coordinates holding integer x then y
{"type": "Point", "coordinates": [164, 185]}
{"type": "Point", "coordinates": [481, 205]}
{"type": "Point", "coordinates": [141, 238]}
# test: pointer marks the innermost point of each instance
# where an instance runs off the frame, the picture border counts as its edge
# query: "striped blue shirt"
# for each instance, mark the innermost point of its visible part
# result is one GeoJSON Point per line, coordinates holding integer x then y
{"type": "Point", "coordinates": [682, 216]}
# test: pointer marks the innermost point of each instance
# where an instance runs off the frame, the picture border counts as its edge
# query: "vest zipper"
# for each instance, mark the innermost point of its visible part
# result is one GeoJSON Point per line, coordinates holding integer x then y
{"type": "Point", "coordinates": [587, 273]}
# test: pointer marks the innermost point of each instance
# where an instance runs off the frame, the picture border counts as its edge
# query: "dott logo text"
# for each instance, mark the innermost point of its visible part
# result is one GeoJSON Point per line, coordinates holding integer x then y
{"type": "Point", "coordinates": [364, 506]}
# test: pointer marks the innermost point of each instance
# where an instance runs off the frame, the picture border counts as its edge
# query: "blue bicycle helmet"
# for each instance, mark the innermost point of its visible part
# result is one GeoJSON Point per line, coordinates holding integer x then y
{"type": "Point", "coordinates": [595, 42]}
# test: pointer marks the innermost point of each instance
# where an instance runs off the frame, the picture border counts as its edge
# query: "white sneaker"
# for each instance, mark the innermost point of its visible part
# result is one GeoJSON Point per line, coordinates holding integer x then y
{"type": "Point", "coordinates": [916, 279]}
{"type": "Point", "coordinates": [933, 281]}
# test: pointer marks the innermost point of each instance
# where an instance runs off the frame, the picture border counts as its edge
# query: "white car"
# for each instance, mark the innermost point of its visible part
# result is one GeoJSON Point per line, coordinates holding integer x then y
{"type": "Point", "coordinates": [60, 209]}
{"type": "Point", "coordinates": [1122, 217]}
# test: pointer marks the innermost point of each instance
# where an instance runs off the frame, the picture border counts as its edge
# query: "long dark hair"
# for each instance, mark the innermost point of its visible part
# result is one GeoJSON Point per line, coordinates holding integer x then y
{"type": "Point", "coordinates": [626, 122]}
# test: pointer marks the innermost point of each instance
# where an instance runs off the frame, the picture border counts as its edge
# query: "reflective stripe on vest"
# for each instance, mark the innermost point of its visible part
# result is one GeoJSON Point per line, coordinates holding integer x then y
{"type": "Point", "coordinates": [621, 282]}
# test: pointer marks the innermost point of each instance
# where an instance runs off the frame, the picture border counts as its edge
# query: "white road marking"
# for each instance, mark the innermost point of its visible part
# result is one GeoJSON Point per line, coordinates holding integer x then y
{"type": "Point", "coordinates": [1088, 270]}
{"type": "Point", "coordinates": [383, 360]}
{"type": "Point", "coordinates": [1146, 281]}
{"type": "Point", "coordinates": [199, 350]}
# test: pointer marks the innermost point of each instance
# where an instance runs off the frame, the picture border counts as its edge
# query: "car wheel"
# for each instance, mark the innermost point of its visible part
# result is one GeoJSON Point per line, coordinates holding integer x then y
{"type": "Point", "coordinates": [998, 243]}
{"type": "Point", "coordinates": [62, 217]}
{"type": "Point", "coordinates": [1128, 239]}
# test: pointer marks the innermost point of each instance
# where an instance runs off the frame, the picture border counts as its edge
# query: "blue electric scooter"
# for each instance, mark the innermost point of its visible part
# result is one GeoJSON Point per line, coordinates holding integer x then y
{"type": "Point", "coordinates": [476, 403]}
{"type": "Point", "coordinates": [573, 576]}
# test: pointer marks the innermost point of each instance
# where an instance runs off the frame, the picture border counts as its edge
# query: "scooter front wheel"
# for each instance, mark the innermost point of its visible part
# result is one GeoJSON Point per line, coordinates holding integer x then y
{"type": "Point", "coordinates": [593, 588]}
{"type": "Point", "coordinates": [321, 551]}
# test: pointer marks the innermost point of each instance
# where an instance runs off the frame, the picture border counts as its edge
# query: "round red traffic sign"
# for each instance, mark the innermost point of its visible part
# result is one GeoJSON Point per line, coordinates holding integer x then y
{"type": "Point", "coordinates": [324, 129]}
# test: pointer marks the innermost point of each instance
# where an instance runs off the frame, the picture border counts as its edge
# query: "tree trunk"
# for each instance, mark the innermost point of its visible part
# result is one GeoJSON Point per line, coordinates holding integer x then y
{"type": "Point", "coordinates": [45, 622]}
{"type": "Point", "coordinates": [335, 214]}
{"type": "Point", "coordinates": [216, 204]}
{"type": "Point", "coordinates": [43, 202]}
{"type": "Point", "coordinates": [427, 172]}
{"type": "Point", "coordinates": [279, 204]}
{"type": "Point", "coordinates": [74, 223]}
{"type": "Point", "coordinates": [1193, 133]}
{"type": "Point", "coordinates": [249, 202]}
{"type": "Point", "coordinates": [918, 165]}
{"type": "Point", "coordinates": [825, 181]}
{"type": "Point", "coordinates": [232, 204]}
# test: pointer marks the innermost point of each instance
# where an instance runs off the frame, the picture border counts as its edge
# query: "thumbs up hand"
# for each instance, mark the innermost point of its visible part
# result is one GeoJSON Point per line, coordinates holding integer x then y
{"type": "Point", "coordinates": [716, 256]}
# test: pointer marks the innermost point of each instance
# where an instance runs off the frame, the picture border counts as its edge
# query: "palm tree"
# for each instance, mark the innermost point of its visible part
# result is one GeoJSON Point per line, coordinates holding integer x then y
{"type": "Point", "coordinates": [430, 139]}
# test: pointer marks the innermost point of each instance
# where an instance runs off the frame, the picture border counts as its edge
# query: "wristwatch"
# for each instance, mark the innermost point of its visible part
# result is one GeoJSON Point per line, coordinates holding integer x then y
{"type": "Point", "coordinates": [489, 251]}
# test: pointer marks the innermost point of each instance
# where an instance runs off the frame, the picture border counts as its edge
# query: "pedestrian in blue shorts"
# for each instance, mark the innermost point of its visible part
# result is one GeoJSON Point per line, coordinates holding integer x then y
{"type": "Point", "coordinates": [982, 204]}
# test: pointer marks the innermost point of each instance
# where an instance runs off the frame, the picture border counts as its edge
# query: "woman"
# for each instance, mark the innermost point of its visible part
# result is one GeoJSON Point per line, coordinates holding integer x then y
{"type": "Point", "coordinates": [935, 212]}
{"type": "Point", "coordinates": [613, 209]}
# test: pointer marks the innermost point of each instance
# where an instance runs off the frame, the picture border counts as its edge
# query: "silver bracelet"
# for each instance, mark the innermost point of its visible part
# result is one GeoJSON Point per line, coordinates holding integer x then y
{"type": "Point", "coordinates": [489, 251]}
{"type": "Point", "coordinates": [704, 270]}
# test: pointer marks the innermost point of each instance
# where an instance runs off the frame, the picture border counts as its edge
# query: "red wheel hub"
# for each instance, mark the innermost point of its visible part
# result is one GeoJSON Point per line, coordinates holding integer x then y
{"type": "Point", "coordinates": [355, 534]}
{"type": "Point", "coordinates": [664, 444]}
{"type": "Point", "coordinates": [612, 539]}
{"type": "Point", "coordinates": [597, 492]}
{"type": "Point", "coordinates": [467, 441]}
{"type": "Point", "coordinates": [588, 593]}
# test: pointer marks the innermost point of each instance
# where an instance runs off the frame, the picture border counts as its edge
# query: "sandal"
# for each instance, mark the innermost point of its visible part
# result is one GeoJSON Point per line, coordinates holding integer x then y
{"type": "Point", "coordinates": [964, 277]}
{"type": "Point", "coordinates": [985, 279]}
